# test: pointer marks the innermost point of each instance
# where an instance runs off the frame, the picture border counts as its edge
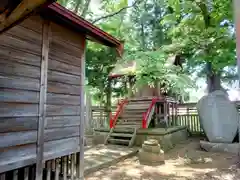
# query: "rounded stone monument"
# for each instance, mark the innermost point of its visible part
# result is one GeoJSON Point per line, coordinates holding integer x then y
{"type": "Point", "coordinates": [218, 117]}
{"type": "Point", "coordinates": [151, 153]}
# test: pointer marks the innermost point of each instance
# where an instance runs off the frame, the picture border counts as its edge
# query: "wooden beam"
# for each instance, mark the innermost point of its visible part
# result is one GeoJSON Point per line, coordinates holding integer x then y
{"type": "Point", "coordinates": [82, 112]}
{"type": "Point", "coordinates": [43, 98]}
{"type": "Point", "coordinates": [22, 10]}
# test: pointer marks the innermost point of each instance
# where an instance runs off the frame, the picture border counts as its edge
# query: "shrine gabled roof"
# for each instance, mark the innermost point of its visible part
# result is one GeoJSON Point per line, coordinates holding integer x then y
{"type": "Point", "coordinates": [130, 67]}
{"type": "Point", "coordinates": [67, 18]}
{"type": "Point", "coordinates": [17, 11]}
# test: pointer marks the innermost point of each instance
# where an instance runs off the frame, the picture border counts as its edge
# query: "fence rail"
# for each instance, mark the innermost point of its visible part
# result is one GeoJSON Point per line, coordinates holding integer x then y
{"type": "Point", "coordinates": [187, 115]}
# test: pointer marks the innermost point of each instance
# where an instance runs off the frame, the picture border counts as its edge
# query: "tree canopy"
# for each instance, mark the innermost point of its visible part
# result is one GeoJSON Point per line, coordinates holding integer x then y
{"type": "Point", "coordinates": [202, 32]}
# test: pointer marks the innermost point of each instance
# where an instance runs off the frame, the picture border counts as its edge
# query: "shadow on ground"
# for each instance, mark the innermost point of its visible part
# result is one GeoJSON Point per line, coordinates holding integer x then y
{"type": "Point", "coordinates": [185, 162]}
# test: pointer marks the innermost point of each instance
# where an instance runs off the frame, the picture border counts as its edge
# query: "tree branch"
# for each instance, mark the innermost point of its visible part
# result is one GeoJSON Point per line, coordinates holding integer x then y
{"type": "Point", "coordinates": [117, 12]}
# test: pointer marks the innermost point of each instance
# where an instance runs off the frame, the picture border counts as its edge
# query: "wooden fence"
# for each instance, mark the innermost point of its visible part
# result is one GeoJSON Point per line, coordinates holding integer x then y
{"type": "Point", "coordinates": [187, 115]}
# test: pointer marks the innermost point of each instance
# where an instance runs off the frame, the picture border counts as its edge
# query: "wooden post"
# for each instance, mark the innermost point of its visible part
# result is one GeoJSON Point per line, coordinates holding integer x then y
{"type": "Point", "coordinates": [82, 110]}
{"type": "Point", "coordinates": [42, 102]}
{"type": "Point", "coordinates": [65, 168]}
{"type": "Point", "coordinates": [15, 174]}
{"type": "Point", "coordinates": [176, 114]}
{"type": "Point", "coordinates": [109, 97]}
{"type": "Point", "coordinates": [49, 170]}
{"type": "Point", "coordinates": [57, 169]}
{"type": "Point", "coordinates": [88, 118]}
{"type": "Point", "coordinates": [72, 166]}
{"type": "Point", "coordinates": [3, 176]}
{"type": "Point", "coordinates": [26, 173]}
{"type": "Point", "coordinates": [165, 113]}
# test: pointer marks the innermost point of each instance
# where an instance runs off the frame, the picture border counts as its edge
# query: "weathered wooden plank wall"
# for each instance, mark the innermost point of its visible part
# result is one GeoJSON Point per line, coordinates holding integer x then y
{"type": "Point", "coordinates": [20, 59]}
{"type": "Point", "coordinates": [40, 88]}
{"type": "Point", "coordinates": [62, 125]}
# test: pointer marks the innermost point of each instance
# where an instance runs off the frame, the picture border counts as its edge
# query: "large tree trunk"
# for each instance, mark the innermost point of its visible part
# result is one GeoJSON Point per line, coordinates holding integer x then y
{"type": "Point", "coordinates": [213, 79]}
{"type": "Point", "coordinates": [109, 98]}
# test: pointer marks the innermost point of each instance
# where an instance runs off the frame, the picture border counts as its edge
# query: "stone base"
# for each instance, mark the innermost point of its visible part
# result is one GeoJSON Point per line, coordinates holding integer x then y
{"type": "Point", "coordinates": [220, 147]}
{"type": "Point", "coordinates": [151, 154]}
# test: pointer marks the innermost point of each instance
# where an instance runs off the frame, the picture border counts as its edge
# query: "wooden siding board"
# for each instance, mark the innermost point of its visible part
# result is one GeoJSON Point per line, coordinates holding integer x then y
{"type": "Point", "coordinates": [63, 67]}
{"type": "Point", "coordinates": [56, 110]}
{"type": "Point", "coordinates": [63, 57]}
{"type": "Point", "coordinates": [63, 77]}
{"type": "Point", "coordinates": [16, 82]}
{"type": "Point", "coordinates": [61, 133]}
{"type": "Point", "coordinates": [16, 157]}
{"type": "Point", "coordinates": [30, 36]}
{"type": "Point", "coordinates": [16, 43]}
{"type": "Point", "coordinates": [34, 23]}
{"type": "Point", "coordinates": [57, 45]}
{"type": "Point", "coordinates": [55, 87]}
{"type": "Point", "coordinates": [18, 109]}
{"type": "Point", "coordinates": [62, 99]}
{"type": "Point", "coordinates": [17, 55]}
{"type": "Point", "coordinates": [66, 35]}
{"type": "Point", "coordinates": [14, 95]}
{"type": "Point", "coordinates": [17, 138]}
{"type": "Point", "coordinates": [14, 124]}
{"type": "Point", "coordinates": [17, 69]}
{"type": "Point", "coordinates": [62, 121]}
{"type": "Point", "coordinates": [64, 147]}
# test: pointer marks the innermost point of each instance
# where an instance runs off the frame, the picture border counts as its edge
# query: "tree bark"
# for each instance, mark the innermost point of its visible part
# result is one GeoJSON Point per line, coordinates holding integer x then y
{"type": "Point", "coordinates": [109, 96]}
{"type": "Point", "coordinates": [213, 79]}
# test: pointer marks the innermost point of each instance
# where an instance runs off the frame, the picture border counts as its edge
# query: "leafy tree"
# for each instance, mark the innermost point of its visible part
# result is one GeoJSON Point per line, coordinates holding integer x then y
{"type": "Point", "coordinates": [203, 32]}
{"type": "Point", "coordinates": [156, 69]}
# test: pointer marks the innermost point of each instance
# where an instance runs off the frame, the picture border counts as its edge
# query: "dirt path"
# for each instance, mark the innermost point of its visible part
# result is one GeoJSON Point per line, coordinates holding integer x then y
{"type": "Point", "coordinates": [185, 162]}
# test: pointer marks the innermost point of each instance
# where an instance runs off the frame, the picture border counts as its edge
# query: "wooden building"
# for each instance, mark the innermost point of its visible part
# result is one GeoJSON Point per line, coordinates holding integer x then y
{"type": "Point", "coordinates": [128, 69]}
{"type": "Point", "coordinates": [144, 107]}
{"type": "Point", "coordinates": [42, 87]}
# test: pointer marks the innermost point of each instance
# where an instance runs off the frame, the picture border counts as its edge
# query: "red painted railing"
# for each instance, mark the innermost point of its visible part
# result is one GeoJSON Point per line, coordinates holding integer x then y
{"type": "Point", "coordinates": [113, 119]}
{"type": "Point", "coordinates": [146, 114]}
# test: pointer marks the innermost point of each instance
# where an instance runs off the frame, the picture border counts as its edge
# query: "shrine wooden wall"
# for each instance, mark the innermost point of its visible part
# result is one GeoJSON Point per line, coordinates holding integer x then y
{"type": "Point", "coordinates": [40, 85]}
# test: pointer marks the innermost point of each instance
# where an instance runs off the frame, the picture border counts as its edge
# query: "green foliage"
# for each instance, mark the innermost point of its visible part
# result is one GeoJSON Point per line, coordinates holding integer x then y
{"type": "Point", "coordinates": [202, 35]}
{"type": "Point", "coordinates": [201, 31]}
{"type": "Point", "coordinates": [154, 68]}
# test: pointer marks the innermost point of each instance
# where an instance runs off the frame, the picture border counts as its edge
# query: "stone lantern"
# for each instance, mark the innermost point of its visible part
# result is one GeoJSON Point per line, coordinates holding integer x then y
{"type": "Point", "coordinates": [151, 153]}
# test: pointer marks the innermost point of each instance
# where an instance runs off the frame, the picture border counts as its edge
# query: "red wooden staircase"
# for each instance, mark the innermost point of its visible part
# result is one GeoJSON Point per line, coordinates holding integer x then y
{"type": "Point", "coordinates": [130, 116]}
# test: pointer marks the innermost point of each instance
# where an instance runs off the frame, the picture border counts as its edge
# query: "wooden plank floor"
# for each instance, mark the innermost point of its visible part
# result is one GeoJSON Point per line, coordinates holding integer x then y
{"type": "Point", "coordinates": [102, 156]}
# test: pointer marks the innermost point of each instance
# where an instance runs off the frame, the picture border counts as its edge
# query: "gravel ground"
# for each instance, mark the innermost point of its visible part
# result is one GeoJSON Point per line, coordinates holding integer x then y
{"type": "Point", "coordinates": [185, 162]}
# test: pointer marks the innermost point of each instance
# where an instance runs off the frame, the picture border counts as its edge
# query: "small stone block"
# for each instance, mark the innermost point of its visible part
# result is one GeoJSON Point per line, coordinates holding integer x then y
{"type": "Point", "coordinates": [151, 142]}
{"type": "Point", "coordinates": [148, 158]}
{"type": "Point", "coordinates": [151, 149]}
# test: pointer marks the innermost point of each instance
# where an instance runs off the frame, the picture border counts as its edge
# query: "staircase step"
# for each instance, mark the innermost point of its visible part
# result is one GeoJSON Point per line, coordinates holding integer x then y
{"type": "Point", "coordinates": [129, 123]}
{"type": "Point", "coordinates": [118, 141]}
{"type": "Point", "coordinates": [130, 118]}
{"type": "Point", "coordinates": [121, 135]}
{"type": "Point", "coordinates": [135, 108]}
{"type": "Point", "coordinates": [127, 126]}
{"type": "Point", "coordinates": [123, 130]}
{"type": "Point", "coordinates": [132, 114]}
